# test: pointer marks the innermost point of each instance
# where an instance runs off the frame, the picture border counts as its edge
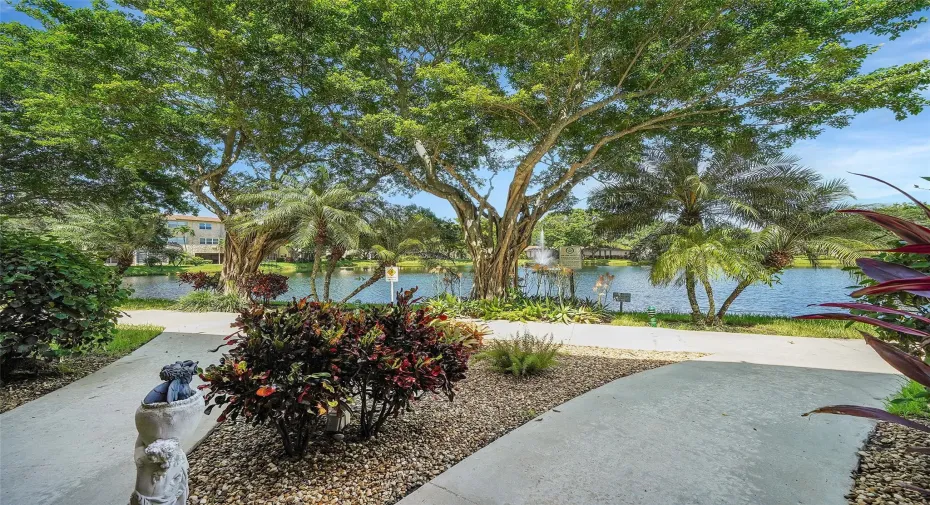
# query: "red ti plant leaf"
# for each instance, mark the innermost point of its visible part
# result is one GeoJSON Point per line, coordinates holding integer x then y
{"type": "Point", "coordinates": [908, 231]}
{"type": "Point", "coordinates": [876, 308]}
{"type": "Point", "coordinates": [913, 368]}
{"type": "Point", "coordinates": [918, 284]}
{"type": "Point", "coordinates": [870, 413]}
{"type": "Point", "coordinates": [916, 201]}
{"type": "Point", "coordinates": [912, 249]}
{"type": "Point", "coordinates": [867, 320]}
{"type": "Point", "coordinates": [883, 271]}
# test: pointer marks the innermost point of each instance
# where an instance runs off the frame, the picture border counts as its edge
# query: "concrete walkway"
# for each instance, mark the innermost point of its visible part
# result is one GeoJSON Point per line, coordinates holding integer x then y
{"type": "Point", "coordinates": [725, 429]}
{"type": "Point", "coordinates": [74, 446]}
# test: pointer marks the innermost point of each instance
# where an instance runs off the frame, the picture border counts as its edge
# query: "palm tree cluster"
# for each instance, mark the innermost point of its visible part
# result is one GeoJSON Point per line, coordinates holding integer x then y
{"type": "Point", "coordinates": [730, 213]}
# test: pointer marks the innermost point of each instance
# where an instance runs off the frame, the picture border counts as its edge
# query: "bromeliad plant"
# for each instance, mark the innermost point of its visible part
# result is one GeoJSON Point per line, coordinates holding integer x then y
{"type": "Point", "coordinates": [908, 329]}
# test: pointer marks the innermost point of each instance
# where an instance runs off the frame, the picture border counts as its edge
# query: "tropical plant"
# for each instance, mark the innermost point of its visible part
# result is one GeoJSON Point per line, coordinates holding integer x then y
{"type": "Point", "coordinates": [210, 301]}
{"type": "Point", "coordinates": [263, 287]}
{"type": "Point", "coordinates": [280, 369]}
{"type": "Point", "coordinates": [315, 213]}
{"type": "Point", "coordinates": [890, 278]}
{"type": "Point", "coordinates": [54, 299]}
{"type": "Point", "coordinates": [113, 233]}
{"type": "Point", "coordinates": [200, 281]}
{"type": "Point", "coordinates": [395, 232]}
{"type": "Point", "coordinates": [521, 355]}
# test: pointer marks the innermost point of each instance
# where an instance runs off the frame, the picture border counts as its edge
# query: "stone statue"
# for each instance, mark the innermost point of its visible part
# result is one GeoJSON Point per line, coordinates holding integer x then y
{"type": "Point", "coordinates": [169, 413]}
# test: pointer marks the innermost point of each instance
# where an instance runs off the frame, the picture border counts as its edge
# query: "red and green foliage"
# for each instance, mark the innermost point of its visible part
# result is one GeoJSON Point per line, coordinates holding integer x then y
{"type": "Point", "coordinates": [53, 299]}
{"type": "Point", "coordinates": [263, 287]}
{"type": "Point", "coordinates": [896, 299]}
{"type": "Point", "coordinates": [200, 281]}
{"type": "Point", "coordinates": [290, 366]}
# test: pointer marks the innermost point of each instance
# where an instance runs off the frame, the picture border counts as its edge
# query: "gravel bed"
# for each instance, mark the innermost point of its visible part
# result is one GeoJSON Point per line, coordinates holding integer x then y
{"type": "Point", "coordinates": [242, 464]}
{"type": "Point", "coordinates": [885, 462]}
{"type": "Point", "coordinates": [25, 387]}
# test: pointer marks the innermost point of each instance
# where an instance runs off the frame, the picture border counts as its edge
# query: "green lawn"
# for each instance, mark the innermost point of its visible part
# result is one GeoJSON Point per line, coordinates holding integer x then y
{"type": "Point", "coordinates": [148, 304]}
{"type": "Point", "coordinates": [749, 323]}
{"type": "Point", "coordinates": [130, 337]}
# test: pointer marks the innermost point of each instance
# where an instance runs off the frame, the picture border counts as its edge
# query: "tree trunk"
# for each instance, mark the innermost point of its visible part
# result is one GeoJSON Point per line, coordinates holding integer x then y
{"type": "Point", "coordinates": [243, 254]}
{"type": "Point", "coordinates": [690, 284]}
{"type": "Point", "coordinates": [318, 251]}
{"type": "Point", "coordinates": [743, 284]}
{"type": "Point", "coordinates": [123, 262]}
{"type": "Point", "coordinates": [336, 254]}
{"type": "Point", "coordinates": [711, 315]}
{"type": "Point", "coordinates": [375, 277]}
{"type": "Point", "coordinates": [495, 260]}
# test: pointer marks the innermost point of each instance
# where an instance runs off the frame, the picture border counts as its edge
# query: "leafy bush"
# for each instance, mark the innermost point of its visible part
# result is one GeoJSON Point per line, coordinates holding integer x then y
{"type": "Point", "coordinates": [152, 261]}
{"type": "Point", "coordinates": [196, 261]}
{"type": "Point", "coordinates": [200, 281]}
{"type": "Point", "coordinates": [470, 335]}
{"type": "Point", "coordinates": [281, 369]}
{"type": "Point", "coordinates": [912, 400]}
{"type": "Point", "coordinates": [209, 301]}
{"type": "Point", "coordinates": [53, 299]}
{"type": "Point", "coordinates": [264, 287]}
{"type": "Point", "coordinates": [290, 366]}
{"type": "Point", "coordinates": [523, 308]}
{"type": "Point", "coordinates": [522, 355]}
{"type": "Point", "coordinates": [910, 305]}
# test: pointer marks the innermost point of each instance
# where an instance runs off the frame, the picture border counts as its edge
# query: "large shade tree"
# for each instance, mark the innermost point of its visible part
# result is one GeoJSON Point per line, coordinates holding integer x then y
{"type": "Point", "coordinates": [544, 94]}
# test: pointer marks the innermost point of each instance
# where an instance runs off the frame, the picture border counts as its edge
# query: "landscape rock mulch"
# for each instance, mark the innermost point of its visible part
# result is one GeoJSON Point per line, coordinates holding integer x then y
{"type": "Point", "coordinates": [25, 387]}
{"type": "Point", "coordinates": [885, 463]}
{"type": "Point", "coordinates": [242, 464]}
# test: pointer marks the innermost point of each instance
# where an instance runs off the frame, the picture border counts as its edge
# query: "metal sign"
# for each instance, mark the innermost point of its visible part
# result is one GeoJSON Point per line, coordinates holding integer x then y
{"type": "Point", "coordinates": [621, 297]}
{"type": "Point", "coordinates": [570, 257]}
{"type": "Point", "coordinates": [391, 274]}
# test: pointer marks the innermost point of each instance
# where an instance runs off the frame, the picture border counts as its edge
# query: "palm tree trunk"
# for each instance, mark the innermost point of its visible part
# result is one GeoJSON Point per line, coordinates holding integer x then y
{"type": "Point", "coordinates": [743, 284]}
{"type": "Point", "coordinates": [317, 257]}
{"type": "Point", "coordinates": [123, 262]}
{"type": "Point", "coordinates": [690, 284]}
{"type": "Point", "coordinates": [711, 315]}
{"type": "Point", "coordinates": [375, 277]}
{"type": "Point", "coordinates": [335, 255]}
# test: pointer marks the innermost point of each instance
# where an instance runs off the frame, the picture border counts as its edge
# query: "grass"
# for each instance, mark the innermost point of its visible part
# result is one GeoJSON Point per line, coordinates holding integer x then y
{"type": "Point", "coordinates": [130, 337]}
{"type": "Point", "coordinates": [148, 304]}
{"type": "Point", "coordinates": [911, 401]}
{"type": "Point", "coordinates": [749, 323]}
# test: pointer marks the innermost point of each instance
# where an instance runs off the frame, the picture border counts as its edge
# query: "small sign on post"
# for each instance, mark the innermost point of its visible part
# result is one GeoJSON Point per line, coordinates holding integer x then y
{"type": "Point", "coordinates": [391, 275]}
{"type": "Point", "coordinates": [570, 257]}
{"type": "Point", "coordinates": [621, 297]}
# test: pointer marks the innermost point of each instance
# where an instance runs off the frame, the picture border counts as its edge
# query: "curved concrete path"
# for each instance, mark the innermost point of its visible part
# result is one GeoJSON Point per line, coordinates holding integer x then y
{"type": "Point", "coordinates": [723, 429]}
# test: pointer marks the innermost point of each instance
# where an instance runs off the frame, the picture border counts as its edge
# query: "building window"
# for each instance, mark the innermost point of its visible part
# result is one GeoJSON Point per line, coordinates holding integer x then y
{"type": "Point", "coordinates": [206, 226]}
{"type": "Point", "coordinates": [209, 241]}
{"type": "Point", "coordinates": [176, 240]}
{"type": "Point", "coordinates": [175, 224]}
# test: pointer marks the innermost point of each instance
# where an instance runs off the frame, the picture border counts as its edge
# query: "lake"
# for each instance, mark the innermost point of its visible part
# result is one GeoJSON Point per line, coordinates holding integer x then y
{"type": "Point", "coordinates": [798, 288]}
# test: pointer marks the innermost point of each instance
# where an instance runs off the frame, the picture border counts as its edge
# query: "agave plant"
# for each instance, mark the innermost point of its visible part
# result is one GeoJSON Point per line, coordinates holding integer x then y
{"type": "Point", "coordinates": [892, 278]}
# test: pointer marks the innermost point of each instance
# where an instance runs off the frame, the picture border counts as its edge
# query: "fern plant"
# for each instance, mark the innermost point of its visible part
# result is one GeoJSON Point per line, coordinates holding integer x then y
{"type": "Point", "coordinates": [522, 355]}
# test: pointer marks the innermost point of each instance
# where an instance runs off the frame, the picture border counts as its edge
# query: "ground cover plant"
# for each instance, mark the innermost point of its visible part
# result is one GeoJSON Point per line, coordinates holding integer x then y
{"type": "Point", "coordinates": [291, 366]}
{"type": "Point", "coordinates": [903, 340]}
{"type": "Point", "coordinates": [523, 308]}
{"type": "Point", "coordinates": [209, 301]}
{"type": "Point", "coordinates": [54, 300]}
{"type": "Point", "coordinates": [27, 385]}
{"type": "Point", "coordinates": [521, 355]}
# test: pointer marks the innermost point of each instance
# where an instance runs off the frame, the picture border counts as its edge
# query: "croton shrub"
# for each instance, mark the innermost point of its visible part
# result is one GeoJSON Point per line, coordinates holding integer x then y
{"type": "Point", "coordinates": [895, 298]}
{"type": "Point", "coordinates": [200, 281]}
{"type": "Point", "coordinates": [262, 287]}
{"type": "Point", "coordinates": [290, 366]}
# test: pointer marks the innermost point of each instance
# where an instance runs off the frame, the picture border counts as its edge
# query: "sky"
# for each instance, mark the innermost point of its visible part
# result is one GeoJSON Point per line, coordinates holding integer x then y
{"type": "Point", "coordinates": [874, 143]}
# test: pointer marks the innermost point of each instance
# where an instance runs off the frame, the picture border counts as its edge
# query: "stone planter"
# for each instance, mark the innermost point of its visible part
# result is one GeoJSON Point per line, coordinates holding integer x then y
{"type": "Point", "coordinates": [161, 465]}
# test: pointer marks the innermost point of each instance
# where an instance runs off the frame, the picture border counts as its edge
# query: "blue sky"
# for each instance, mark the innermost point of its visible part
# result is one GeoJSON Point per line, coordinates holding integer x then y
{"type": "Point", "coordinates": [874, 143]}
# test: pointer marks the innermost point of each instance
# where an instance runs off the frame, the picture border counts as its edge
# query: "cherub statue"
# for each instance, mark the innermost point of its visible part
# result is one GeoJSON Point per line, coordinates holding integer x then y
{"type": "Point", "coordinates": [177, 385]}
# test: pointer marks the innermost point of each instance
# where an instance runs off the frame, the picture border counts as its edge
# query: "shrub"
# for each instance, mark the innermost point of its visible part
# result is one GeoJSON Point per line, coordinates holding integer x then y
{"type": "Point", "coordinates": [152, 261]}
{"type": "Point", "coordinates": [208, 301]}
{"type": "Point", "coordinates": [53, 299]}
{"type": "Point", "coordinates": [280, 369]}
{"type": "Point", "coordinates": [264, 287]}
{"type": "Point", "coordinates": [470, 335]}
{"type": "Point", "coordinates": [196, 261]}
{"type": "Point", "coordinates": [908, 330]}
{"type": "Point", "coordinates": [200, 281]}
{"type": "Point", "coordinates": [523, 308]}
{"type": "Point", "coordinates": [290, 366]}
{"type": "Point", "coordinates": [400, 357]}
{"type": "Point", "coordinates": [522, 355]}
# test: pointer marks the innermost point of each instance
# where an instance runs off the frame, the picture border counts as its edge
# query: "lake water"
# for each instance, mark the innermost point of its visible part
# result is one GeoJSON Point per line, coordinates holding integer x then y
{"type": "Point", "coordinates": [798, 288]}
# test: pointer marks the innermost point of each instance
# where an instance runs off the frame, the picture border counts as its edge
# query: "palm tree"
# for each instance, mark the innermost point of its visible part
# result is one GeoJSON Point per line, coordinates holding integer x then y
{"type": "Point", "coordinates": [395, 233]}
{"type": "Point", "coordinates": [314, 213]}
{"type": "Point", "coordinates": [684, 194]}
{"type": "Point", "coordinates": [808, 226]}
{"type": "Point", "coordinates": [115, 233]}
{"type": "Point", "coordinates": [182, 231]}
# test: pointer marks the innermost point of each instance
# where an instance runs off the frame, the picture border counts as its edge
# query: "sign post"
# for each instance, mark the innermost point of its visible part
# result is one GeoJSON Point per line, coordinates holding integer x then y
{"type": "Point", "coordinates": [621, 297]}
{"type": "Point", "coordinates": [570, 257]}
{"type": "Point", "coordinates": [391, 275]}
